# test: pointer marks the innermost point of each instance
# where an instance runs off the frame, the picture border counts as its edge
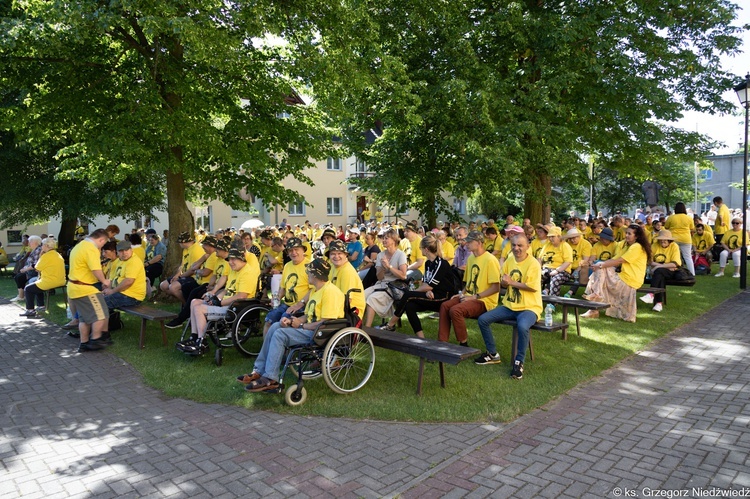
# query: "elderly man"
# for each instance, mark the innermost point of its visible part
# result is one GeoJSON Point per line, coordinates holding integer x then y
{"type": "Point", "coordinates": [521, 275]}
{"type": "Point", "coordinates": [294, 289]}
{"type": "Point", "coordinates": [326, 302]}
{"type": "Point", "coordinates": [128, 286]}
{"type": "Point", "coordinates": [462, 251]}
{"type": "Point", "coordinates": [481, 286]}
{"type": "Point", "coordinates": [84, 297]}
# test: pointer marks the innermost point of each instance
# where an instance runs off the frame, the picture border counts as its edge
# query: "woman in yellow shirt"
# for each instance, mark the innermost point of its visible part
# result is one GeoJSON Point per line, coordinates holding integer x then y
{"type": "Point", "coordinates": [606, 285]}
{"type": "Point", "coordinates": [682, 227]}
{"type": "Point", "coordinates": [665, 261]}
{"type": "Point", "coordinates": [51, 268]}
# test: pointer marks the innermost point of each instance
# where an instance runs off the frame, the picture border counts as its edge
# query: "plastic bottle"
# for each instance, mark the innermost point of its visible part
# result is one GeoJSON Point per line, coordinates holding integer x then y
{"type": "Point", "coordinates": [548, 311]}
{"type": "Point", "coordinates": [275, 300]}
{"type": "Point", "coordinates": [411, 286]}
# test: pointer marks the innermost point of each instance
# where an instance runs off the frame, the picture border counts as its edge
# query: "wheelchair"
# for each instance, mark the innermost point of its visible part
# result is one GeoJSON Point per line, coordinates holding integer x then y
{"type": "Point", "coordinates": [342, 354]}
{"type": "Point", "coordinates": [241, 327]}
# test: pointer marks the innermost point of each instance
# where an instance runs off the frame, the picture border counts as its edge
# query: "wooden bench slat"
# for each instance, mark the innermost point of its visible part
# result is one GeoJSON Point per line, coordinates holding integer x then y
{"type": "Point", "coordinates": [147, 313]}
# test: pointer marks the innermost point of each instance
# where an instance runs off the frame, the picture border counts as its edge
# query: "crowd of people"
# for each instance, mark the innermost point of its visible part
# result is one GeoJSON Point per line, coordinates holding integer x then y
{"type": "Point", "coordinates": [477, 270]}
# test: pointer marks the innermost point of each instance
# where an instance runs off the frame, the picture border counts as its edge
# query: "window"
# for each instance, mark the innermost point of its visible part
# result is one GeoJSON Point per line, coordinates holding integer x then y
{"type": "Point", "coordinates": [334, 164]}
{"type": "Point", "coordinates": [204, 219]}
{"type": "Point", "coordinates": [14, 237]}
{"type": "Point", "coordinates": [460, 206]}
{"type": "Point", "coordinates": [403, 210]}
{"type": "Point", "coordinates": [297, 208]}
{"type": "Point", "coordinates": [360, 166]}
{"type": "Point", "coordinates": [334, 206]}
{"type": "Point", "coordinates": [707, 174]}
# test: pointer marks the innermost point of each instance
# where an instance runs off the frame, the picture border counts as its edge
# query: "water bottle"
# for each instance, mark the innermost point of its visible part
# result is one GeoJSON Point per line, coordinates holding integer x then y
{"type": "Point", "coordinates": [275, 300]}
{"type": "Point", "coordinates": [548, 311]}
{"type": "Point", "coordinates": [411, 286]}
{"type": "Point", "coordinates": [576, 274]}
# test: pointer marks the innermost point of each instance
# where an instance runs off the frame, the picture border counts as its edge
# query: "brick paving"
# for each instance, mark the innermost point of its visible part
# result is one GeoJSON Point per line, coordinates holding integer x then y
{"type": "Point", "coordinates": [673, 417]}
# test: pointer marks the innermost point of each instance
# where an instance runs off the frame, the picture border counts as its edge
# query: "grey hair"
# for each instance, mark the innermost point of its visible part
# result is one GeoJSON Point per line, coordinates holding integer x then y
{"type": "Point", "coordinates": [50, 243]}
{"type": "Point", "coordinates": [35, 239]}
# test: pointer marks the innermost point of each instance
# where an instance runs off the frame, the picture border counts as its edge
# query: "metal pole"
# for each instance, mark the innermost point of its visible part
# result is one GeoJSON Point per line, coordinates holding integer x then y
{"type": "Point", "coordinates": [743, 251]}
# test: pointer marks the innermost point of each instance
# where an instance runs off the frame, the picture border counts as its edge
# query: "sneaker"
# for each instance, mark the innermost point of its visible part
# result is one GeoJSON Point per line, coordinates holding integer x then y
{"type": "Point", "coordinates": [568, 295]}
{"type": "Point", "coordinates": [74, 334]}
{"type": "Point", "coordinates": [70, 327]}
{"type": "Point", "coordinates": [27, 313]}
{"type": "Point", "coordinates": [180, 345]}
{"type": "Point", "coordinates": [97, 344]}
{"type": "Point", "coordinates": [736, 275]}
{"type": "Point", "coordinates": [83, 347]}
{"type": "Point", "coordinates": [487, 358]}
{"type": "Point", "coordinates": [719, 274]}
{"type": "Point", "coordinates": [197, 347]}
{"type": "Point", "coordinates": [40, 310]}
{"type": "Point", "coordinates": [386, 327]}
{"type": "Point", "coordinates": [648, 298]}
{"type": "Point", "coordinates": [17, 298]}
{"type": "Point", "coordinates": [545, 292]}
{"type": "Point", "coordinates": [517, 372]}
{"type": "Point", "coordinates": [657, 307]}
{"type": "Point", "coordinates": [435, 315]}
{"type": "Point", "coordinates": [174, 324]}
{"type": "Point", "coordinates": [106, 339]}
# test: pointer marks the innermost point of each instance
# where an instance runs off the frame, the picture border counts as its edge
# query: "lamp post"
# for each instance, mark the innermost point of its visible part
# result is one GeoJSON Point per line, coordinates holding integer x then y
{"type": "Point", "coordinates": [743, 89]}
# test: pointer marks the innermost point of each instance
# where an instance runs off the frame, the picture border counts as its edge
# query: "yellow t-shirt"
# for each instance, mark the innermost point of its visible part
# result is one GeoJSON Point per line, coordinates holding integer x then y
{"type": "Point", "coordinates": [723, 220]}
{"type": "Point", "coordinates": [326, 303]}
{"type": "Point", "coordinates": [680, 225]}
{"type": "Point", "coordinates": [416, 253]}
{"type": "Point", "coordinates": [295, 283]}
{"type": "Point", "coordinates": [552, 257]}
{"type": "Point", "coordinates": [620, 249]}
{"type": "Point", "coordinates": [346, 278]}
{"type": "Point", "coordinates": [670, 254]}
{"type": "Point", "coordinates": [51, 267]}
{"type": "Point", "coordinates": [208, 263]}
{"type": "Point", "coordinates": [221, 269]}
{"type": "Point", "coordinates": [265, 256]}
{"type": "Point", "coordinates": [528, 272]}
{"type": "Point", "coordinates": [602, 252]}
{"type": "Point", "coordinates": [703, 242]}
{"type": "Point", "coordinates": [619, 233]}
{"type": "Point", "coordinates": [3, 257]}
{"type": "Point", "coordinates": [109, 266]}
{"type": "Point", "coordinates": [191, 255]}
{"type": "Point", "coordinates": [84, 259]}
{"type": "Point", "coordinates": [243, 281]}
{"type": "Point", "coordinates": [581, 251]}
{"type": "Point", "coordinates": [449, 252]}
{"type": "Point", "coordinates": [733, 239]}
{"type": "Point", "coordinates": [633, 271]}
{"type": "Point", "coordinates": [536, 246]}
{"type": "Point", "coordinates": [140, 252]}
{"type": "Point", "coordinates": [132, 268]}
{"type": "Point", "coordinates": [405, 246]}
{"type": "Point", "coordinates": [481, 272]}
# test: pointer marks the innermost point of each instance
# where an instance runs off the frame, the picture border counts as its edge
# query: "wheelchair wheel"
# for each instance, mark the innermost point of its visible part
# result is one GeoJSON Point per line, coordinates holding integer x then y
{"type": "Point", "coordinates": [248, 329]}
{"type": "Point", "coordinates": [348, 360]}
{"type": "Point", "coordinates": [292, 398]}
{"type": "Point", "coordinates": [218, 357]}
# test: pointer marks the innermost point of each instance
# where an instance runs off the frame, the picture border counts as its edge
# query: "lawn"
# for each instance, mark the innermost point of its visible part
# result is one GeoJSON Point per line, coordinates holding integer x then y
{"type": "Point", "coordinates": [473, 393]}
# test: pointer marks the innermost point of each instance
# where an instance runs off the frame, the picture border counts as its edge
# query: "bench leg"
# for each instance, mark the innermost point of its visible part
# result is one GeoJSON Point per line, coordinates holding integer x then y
{"type": "Point", "coordinates": [565, 321]}
{"type": "Point", "coordinates": [442, 375]}
{"type": "Point", "coordinates": [419, 376]}
{"type": "Point", "coordinates": [578, 322]}
{"type": "Point", "coordinates": [142, 341]}
{"type": "Point", "coordinates": [163, 333]}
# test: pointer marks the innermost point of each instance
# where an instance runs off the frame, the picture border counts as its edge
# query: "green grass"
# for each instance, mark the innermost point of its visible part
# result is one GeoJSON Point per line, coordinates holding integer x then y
{"type": "Point", "coordinates": [473, 393]}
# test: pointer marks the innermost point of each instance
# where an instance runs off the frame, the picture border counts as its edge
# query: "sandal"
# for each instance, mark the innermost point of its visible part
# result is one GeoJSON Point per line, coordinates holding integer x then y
{"type": "Point", "coordinates": [248, 378]}
{"type": "Point", "coordinates": [262, 384]}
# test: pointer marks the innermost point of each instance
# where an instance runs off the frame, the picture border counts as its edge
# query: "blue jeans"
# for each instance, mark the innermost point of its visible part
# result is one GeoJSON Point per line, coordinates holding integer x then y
{"type": "Point", "coordinates": [268, 362]}
{"type": "Point", "coordinates": [524, 318]}
{"type": "Point", "coordinates": [118, 300]}
{"type": "Point", "coordinates": [274, 315]}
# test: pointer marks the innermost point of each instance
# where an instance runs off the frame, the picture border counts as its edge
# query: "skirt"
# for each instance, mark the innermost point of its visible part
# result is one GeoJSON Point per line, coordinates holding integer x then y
{"type": "Point", "coordinates": [606, 286]}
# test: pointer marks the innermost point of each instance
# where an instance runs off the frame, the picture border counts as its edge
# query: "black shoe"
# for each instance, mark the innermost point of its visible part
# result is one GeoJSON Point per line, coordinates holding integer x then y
{"type": "Point", "coordinates": [198, 347]}
{"type": "Point", "coordinates": [517, 372]}
{"type": "Point", "coordinates": [74, 334]}
{"type": "Point", "coordinates": [487, 359]}
{"type": "Point", "coordinates": [174, 324]}
{"type": "Point", "coordinates": [464, 344]}
{"type": "Point", "coordinates": [70, 327]}
{"type": "Point", "coordinates": [180, 345]}
{"type": "Point", "coordinates": [27, 313]}
{"type": "Point", "coordinates": [97, 344]}
{"type": "Point", "coordinates": [106, 339]}
{"type": "Point", "coordinates": [83, 347]}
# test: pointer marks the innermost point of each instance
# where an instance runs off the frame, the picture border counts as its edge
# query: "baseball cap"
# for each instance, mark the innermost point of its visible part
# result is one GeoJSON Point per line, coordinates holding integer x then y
{"type": "Point", "coordinates": [475, 235]}
{"type": "Point", "coordinates": [124, 245]}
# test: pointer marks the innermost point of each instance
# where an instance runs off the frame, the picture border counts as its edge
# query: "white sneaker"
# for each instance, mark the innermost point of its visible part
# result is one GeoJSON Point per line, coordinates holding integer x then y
{"type": "Point", "coordinates": [657, 307]}
{"type": "Point", "coordinates": [720, 274]}
{"type": "Point", "coordinates": [17, 298]}
{"type": "Point", "coordinates": [648, 298]}
{"type": "Point", "coordinates": [736, 274]}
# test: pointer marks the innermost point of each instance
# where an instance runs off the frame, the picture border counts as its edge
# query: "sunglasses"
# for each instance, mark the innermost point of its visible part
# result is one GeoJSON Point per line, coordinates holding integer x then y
{"type": "Point", "coordinates": [736, 223]}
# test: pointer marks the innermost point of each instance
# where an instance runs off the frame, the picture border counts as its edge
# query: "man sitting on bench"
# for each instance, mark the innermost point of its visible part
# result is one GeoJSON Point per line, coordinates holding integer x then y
{"type": "Point", "coordinates": [522, 275]}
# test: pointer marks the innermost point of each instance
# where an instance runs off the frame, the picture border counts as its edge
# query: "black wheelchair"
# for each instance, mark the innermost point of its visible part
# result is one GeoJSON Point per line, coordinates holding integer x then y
{"type": "Point", "coordinates": [241, 327]}
{"type": "Point", "coordinates": [342, 353]}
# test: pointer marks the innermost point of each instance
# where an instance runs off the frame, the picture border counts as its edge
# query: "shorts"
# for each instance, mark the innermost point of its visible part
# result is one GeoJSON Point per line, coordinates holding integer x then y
{"type": "Point", "coordinates": [214, 313]}
{"type": "Point", "coordinates": [90, 308]}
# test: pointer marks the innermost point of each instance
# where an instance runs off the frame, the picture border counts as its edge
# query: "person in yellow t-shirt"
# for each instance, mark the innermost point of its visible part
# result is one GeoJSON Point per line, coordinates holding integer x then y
{"type": "Point", "coordinates": [85, 299]}
{"type": "Point", "coordinates": [703, 242]}
{"type": "Point", "coordinates": [51, 269]}
{"type": "Point", "coordinates": [681, 226]}
{"type": "Point", "coordinates": [128, 286]}
{"type": "Point", "coordinates": [193, 256]}
{"type": "Point", "coordinates": [345, 277]}
{"type": "Point", "coordinates": [665, 260]}
{"type": "Point", "coordinates": [606, 285]}
{"type": "Point", "coordinates": [723, 219]}
{"type": "Point", "coordinates": [480, 293]}
{"type": "Point", "coordinates": [556, 258]}
{"type": "Point", "coordinates": [448, 249]}
{"type": "Point", "coordinates": [732, 244]}
{"type": "Point", "coordinates": [521, 275]}
{"type": "Point", "coordinates": [326, 302]}
{"type": "Point", "coordinates": [242, 283]}
{"type": "Point", "coordinates": [605, 248]}
{"type": "Point", "coordinates": [195, 287]}
{"type": "Point", "coordinates": [579, 269]}
{"type": "Point", "coordinates": [4, 261]}
{"type": "Point", "coordinates": [415, 270]}
{"type": "Point", "coordinates": [139, 251]}
{"type": "Point", "coordinates": [295, 289]}
{"type": "Point", "coordinates": [618, 228]}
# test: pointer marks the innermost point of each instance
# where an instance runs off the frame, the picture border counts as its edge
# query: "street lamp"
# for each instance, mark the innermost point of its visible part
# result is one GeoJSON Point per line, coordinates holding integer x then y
{"type": "Point", "coordinates": [743, 89]}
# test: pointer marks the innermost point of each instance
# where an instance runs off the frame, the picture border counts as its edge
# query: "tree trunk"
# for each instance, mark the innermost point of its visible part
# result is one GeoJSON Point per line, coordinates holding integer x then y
{"type": "Point", "coordinates": [536, 199]}
{"type": "Point", "coordinates": [180, 218]}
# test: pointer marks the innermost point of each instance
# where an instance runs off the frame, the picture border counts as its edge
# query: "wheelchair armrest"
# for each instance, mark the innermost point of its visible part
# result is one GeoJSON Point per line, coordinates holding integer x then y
{"type": "Point", "coordinates": [327, 329]}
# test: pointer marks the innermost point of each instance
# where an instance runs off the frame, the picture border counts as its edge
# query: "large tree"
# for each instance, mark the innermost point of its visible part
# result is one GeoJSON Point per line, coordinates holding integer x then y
{"type": "Point", "coordinates": [202, 94]}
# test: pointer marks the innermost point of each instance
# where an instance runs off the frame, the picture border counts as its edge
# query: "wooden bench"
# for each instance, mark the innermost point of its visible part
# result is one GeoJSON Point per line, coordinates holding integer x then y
{"type": "Point", "coordinates": [539, 326]}
{"type": "Point", "coordinates": [149, 314]}
{"type": "Point", "coordinates": [425, 348]}
{"type": "Point", "coordinates": [576, 304]}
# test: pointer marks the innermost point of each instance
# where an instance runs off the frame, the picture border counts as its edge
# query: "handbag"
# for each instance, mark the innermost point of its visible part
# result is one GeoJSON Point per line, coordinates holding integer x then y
{"type": "Point", "coordinates": [396, 288]}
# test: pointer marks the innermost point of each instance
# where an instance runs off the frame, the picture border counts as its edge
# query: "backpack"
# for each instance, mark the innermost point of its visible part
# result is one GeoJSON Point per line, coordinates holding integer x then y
{"type": "Point", "coordinates": [115, 321]}
{"type": "Point", "coordinates": [702, 267]}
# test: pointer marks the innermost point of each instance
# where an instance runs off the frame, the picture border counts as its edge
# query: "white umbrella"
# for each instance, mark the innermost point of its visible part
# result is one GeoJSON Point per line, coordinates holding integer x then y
{"type": "Point", "coordinates": [253, 223]}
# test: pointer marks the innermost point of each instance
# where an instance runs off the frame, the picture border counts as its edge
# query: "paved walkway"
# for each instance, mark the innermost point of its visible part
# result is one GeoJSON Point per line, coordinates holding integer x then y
{"type": "Point", "coordinates": [675, 417]}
